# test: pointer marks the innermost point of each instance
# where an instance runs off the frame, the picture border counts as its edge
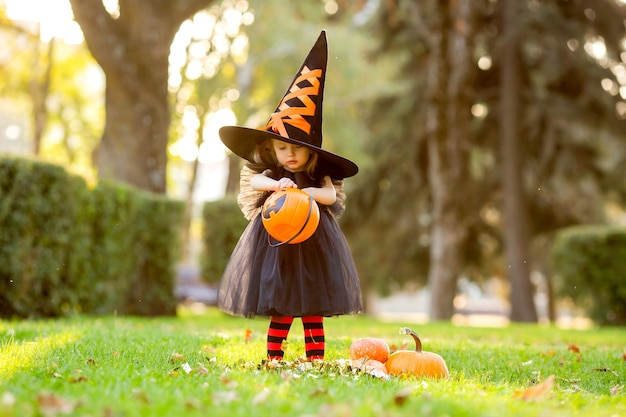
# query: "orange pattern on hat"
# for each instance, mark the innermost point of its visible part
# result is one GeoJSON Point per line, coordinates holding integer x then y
{"type": "Point", "coordinates": [293, 115]}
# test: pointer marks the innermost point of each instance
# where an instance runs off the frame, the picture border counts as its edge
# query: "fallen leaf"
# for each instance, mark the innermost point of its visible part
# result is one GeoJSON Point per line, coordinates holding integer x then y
{"type": "Point", "coordinates": [176, 357]}
{"type": "Point", "coordinates": [605, 370]}
{"type": "Point", "coordinates": [7, 400]}
{"type": "Point", "coordinates": [402, 396]}
{"type": "Point", "coordinates": [224, 397]}
{"type": "Point", "coordinates": [271, 364]}
{"type": "Point", "coordinates": [80, 378]}
{"type": "Point", "coordinates": [578, 388]}
{"type": "Point", "coordinates": [570, 381]}
{"type": "Point", "coordinates": [319, 391]}
{"type": "Point", "coordinates": [248, 337]}
{"type": "Point", "coordinates": [573, 348]}
{"type": "Point", "coordinates": [186, 367]}
{"type": "Point", "coordinates": [52, 405]}
{"type": "Point", "coordinates": [192, 404]}
{"type": "Point", "coordinates": [539, 391]}
{"type": "Point", "coordinates": [202, 370]}
{"type": "Point", "coordinates": [208, 349]}
{"type": "Point", "coordinates": [91, 361]}
{"type": "Point", "coordinates": [394, 348]}
{"type": "Point", "coordinates": [225, 379]}
{"type": "Point", "coordinates": [261, 397]}
{"type": "Point", "coordinates": [616, 389]}
{"type": "Point", "coordinates": [548, 353]}
{"type": "Point", "coordinates": [141, 395]}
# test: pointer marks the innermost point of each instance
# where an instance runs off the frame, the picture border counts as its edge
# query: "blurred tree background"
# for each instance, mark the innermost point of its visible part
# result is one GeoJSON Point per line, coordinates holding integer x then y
{"type": "Point", "coordinates": [481, 127]}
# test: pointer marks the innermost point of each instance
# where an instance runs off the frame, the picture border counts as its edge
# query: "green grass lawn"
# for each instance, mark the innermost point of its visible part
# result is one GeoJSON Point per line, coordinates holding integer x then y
{"type": "Point", "coordinates": [201, 365]}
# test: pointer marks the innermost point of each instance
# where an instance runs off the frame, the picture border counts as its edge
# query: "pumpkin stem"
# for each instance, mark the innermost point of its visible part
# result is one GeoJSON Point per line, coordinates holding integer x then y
{"type": "Point", "coordinates": [415, 336]}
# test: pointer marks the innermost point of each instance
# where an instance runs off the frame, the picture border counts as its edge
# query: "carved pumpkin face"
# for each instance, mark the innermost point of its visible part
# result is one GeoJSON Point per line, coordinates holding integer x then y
{"type": "Point", "coordinates": [290, 215]}
{"type": "Point", "coordinates": [371, 348]}
{"type": "Point", "coordinates": [416, 363]}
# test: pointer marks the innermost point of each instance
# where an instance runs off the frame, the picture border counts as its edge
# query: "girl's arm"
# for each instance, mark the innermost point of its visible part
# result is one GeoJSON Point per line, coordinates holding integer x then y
{"type": "Point", "coordinates": [325, 195]}
{"type": "Point", "coordinates": [262, 182]}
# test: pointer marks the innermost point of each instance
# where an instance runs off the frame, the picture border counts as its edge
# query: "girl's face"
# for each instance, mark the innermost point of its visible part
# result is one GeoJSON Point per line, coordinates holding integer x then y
{"type": "Point", "coordinates": [291, 157]}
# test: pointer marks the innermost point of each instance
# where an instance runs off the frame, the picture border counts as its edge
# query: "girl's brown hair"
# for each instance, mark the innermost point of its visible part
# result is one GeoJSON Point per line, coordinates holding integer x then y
{"type": "Point", "coordinates": [264, 154]}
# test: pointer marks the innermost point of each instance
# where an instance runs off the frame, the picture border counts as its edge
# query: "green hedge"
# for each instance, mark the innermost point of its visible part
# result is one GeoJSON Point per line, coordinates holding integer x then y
{"type": "Point", "coordinates": [42, 238]}
{"type": "Point", "coordinates": [65, 248]}
{"type": "Point", "coordinates": [223, 224]}
{"type": "Point", "coordinates": [158, 231]}
{"type": "Point", "coordinates": [115, 208]}
{"type": "Point", "coordinates": [590, 267]}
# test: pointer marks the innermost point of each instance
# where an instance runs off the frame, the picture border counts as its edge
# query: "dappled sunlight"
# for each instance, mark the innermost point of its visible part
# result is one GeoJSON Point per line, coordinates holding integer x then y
{"type": "Point", "coordinates": [55, 18]}
{"type": "Point", "coordinates": [18, 355]}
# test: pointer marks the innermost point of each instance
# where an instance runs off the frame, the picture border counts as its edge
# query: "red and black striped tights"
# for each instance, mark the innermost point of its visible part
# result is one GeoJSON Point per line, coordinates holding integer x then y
{"type": "Point", "coordinates": [313, 336]}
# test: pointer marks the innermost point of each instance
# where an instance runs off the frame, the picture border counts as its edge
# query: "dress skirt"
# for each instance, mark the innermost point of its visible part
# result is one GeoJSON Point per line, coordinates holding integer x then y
{"type": "Point", "coordinates": [317, 277]}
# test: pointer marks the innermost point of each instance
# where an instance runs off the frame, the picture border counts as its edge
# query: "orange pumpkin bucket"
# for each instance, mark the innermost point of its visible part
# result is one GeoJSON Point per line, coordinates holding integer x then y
{"type": "Point", "coordinates": [290, 216]}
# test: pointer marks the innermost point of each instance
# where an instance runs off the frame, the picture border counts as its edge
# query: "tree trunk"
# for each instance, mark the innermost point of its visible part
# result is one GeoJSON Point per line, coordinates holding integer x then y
{"type": "Point", "coordinates": [515, 214]}
{"type": "Point", "coordinates": [447, 127]}
{"type": "Point", "coordinates": [135, 135]}
{"type": "Point", "coordinates": [133, 52]}
{"type": "Point", "coordinates": [39, 89]}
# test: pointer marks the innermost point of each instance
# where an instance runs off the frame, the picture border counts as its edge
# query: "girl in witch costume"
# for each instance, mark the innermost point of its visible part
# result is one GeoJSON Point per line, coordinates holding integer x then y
{"type": "Point", "coordinates": [317, 277]}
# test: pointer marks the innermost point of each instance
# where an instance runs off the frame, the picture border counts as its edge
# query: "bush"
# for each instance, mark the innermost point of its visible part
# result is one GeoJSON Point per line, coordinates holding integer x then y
{"type": "Point", "coordinates": [136, 238]}
{"type": "Point", "coordinates": [43, 238]}
{"type": "Point", "coordinates": [157, 227]}
{"type": "Point", "coordinates": [112, 247]}
{"type": "Point", "coordinates": [589, 267]}
{"type": "Point", "coordinates": [223, 225]}
{"type": "Point", "coordinates": [65, 248]}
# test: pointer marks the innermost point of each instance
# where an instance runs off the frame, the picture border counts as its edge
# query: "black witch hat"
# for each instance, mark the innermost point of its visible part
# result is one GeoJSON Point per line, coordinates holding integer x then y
{"type": "Point", "coordinates": [297, 119]}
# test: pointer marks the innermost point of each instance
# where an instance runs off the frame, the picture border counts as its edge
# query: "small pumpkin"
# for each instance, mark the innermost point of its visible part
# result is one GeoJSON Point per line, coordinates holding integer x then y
{"type": "Point", "coordinates": [371, 348]}
{"type": "Point", "coordinates": [369, 365]}
{"type": "Point", "coordinates": [416, 363]}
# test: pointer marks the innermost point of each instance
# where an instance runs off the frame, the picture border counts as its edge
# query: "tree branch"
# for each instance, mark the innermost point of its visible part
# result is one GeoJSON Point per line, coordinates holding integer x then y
{"type": "Point", "coordinates": [101, 32]}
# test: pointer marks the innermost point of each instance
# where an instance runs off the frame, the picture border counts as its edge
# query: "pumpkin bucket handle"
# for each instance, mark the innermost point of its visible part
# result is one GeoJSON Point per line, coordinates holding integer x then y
{"type": "Point", "coordinates": [306, 222]}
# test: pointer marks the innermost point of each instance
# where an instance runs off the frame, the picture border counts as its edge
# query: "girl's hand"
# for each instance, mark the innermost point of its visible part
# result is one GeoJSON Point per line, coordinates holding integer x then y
{"type": "Point", "coordinates": [283, 183]}
{"type": "Point", "coordinates": [265, 183]}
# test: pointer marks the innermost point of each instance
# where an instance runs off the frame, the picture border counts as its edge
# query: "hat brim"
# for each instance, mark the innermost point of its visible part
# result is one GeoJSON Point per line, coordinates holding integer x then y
{"type": "Point", "coordinates": [243, 141]}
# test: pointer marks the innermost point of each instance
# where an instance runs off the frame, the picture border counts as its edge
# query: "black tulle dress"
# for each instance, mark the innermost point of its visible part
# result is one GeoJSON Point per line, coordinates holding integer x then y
{"type": "Point", "coordinates": [314, 278]}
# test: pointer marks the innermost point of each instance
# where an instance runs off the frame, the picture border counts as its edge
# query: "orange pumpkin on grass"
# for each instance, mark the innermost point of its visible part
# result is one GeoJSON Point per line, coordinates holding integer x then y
{"type": "Point", "coordinates": [416, 363]}
{"type": "Point", "coordinates": [369, 365]}
{"type": "Point", "coordinates": [371, 348]}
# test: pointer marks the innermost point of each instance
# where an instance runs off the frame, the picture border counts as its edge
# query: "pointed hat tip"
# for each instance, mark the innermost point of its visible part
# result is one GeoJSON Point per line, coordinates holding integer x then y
{"type": "Point", "coordinates": [321, 38]}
